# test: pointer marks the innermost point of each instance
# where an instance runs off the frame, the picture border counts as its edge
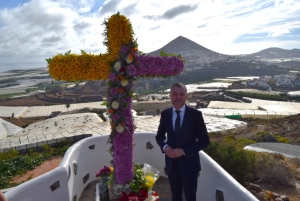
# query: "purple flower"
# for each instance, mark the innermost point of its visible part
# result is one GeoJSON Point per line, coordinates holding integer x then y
{"type": "Point", "coordinates": [116, 117]}
{"type": "Point", "coordinates": [131, 70]}
{"type": "Point", "coordinates": [124, 49]}
{"type": "Point", "coordinates": [112, 76]}
{"type": "Point", "coordinates": [113, 91]}
{"type": "Point", "coordinates": [105, 171]}
{"type": "Point", "coordinates": [109, 98]}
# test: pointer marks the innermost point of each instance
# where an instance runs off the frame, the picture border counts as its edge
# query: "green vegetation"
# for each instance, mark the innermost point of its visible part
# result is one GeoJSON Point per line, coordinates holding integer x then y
{"type": "Point", "coordinates": [6, 96]}
{"type": "Point", "coordinates": [229, 154]}
{"type": "Point", "coordinates": [13, 163]}
{"type": "Point", "coordinates": [240, 94]}
{"type": "Point", "coordinates": [5, 81]}
{"type": "Point", "coordinates": [279, 138]}
{"type": "Point", "coordinates": [246, 166]}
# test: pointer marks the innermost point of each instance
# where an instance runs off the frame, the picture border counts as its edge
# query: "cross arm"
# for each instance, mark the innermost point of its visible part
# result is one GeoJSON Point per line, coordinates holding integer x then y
{"type": "Point", "coordinates": [73, 67]}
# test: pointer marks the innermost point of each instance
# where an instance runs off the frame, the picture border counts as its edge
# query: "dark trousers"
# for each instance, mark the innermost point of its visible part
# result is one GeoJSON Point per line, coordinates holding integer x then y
{"type": "Point", "coordinates": [179, 182]}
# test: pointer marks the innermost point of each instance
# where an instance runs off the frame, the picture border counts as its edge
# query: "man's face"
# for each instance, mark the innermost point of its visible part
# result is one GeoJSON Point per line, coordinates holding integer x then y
{"type": "Point", "coordinates": [178, 97]}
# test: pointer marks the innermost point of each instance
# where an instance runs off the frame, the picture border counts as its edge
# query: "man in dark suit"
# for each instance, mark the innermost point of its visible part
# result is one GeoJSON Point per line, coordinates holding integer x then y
{"type": "Point", "coordinates": [186, 136]}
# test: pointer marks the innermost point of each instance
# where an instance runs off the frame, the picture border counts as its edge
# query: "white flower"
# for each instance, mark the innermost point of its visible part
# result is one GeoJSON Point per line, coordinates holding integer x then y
{"type": "Point", "coordinates": [124, 83]}
{"type": "Point", "coordinates": [129, 59]}
{"type": "Point", "coordinates": [115, 105]}
{"type": "Point", "coordinates": [119, 128]}
{"type": "Point", "coordinates": [151, 197]}
{"type": "Point", "coordinates": [117, 66]}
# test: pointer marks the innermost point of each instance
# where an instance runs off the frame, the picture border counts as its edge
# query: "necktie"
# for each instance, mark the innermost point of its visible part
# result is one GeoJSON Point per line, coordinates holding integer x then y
{"type": "Point", "coordinates": [177, 123]}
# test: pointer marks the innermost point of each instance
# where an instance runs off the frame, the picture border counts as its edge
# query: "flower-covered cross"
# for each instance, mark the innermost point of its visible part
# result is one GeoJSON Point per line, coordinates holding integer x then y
{"type": "Point", "coordinates": [119, 66]}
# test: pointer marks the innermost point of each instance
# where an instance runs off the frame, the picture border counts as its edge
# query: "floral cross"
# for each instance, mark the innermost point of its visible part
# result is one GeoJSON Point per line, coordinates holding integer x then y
{"type": "Point", "coordinates": [119, 66]}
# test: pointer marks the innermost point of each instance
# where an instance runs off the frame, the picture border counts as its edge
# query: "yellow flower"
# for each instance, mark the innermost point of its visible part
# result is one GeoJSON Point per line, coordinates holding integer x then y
{"type": "Point", "coordinates": [150, 182]}
{"type": "Point", "coordinates": [115, 105]}
{"type": "Point", "coordinates": [74, 67]}
{"type": "Point", "coordinates": [124, 83]}
{"type": "Point", "coordinates": [119, 128]}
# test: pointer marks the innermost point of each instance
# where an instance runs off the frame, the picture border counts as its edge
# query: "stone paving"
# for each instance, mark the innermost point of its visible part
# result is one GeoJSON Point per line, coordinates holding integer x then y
{"type": "Point", "coordinates": [65, 126]}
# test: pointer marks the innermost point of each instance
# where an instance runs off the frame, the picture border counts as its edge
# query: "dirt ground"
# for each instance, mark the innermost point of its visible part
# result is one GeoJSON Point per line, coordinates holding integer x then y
{"type": "Point", "coordinates": [23, 122]}
{"type": "Point", "coordinates": [26, 101]}
{"type": "Point", "coordinates": [38, 171]}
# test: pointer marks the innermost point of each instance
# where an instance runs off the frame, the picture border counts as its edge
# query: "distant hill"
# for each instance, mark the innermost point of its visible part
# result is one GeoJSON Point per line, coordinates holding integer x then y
{"type": "Point", "coordinates": [275, 52]}
{"type": "Point", "coordinates": [191, 51]}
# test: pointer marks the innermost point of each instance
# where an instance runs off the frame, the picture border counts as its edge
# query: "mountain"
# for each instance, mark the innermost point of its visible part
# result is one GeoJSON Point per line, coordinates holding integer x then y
{"type": "Point", "coordinates": [192, 52]}
{"type": "Point", "coordinates": [275, 52]}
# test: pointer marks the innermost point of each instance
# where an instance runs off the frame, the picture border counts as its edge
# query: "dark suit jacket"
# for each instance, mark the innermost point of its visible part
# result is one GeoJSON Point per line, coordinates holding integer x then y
{"type": "Point", "coordinates": [193, 137]}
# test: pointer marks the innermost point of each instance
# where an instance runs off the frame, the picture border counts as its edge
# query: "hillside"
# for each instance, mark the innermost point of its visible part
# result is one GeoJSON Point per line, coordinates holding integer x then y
{"type": "Point", "coordinates": [191, 51]}
{"type": "Point", "coordinates": [274, 52]}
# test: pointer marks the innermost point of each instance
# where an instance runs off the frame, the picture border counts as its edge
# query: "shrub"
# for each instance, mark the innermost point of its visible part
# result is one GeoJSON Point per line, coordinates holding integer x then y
{"type": "Point", "coordinates": [237, 143]}
{"type": "Point", "coordinates": [282, 139]}
{"type": "Point", "coordinates": [238, 163]}
{"type": "Point", "coordinates": [264, 137]}
{"type": "Point", "coordinates": [272, 169]}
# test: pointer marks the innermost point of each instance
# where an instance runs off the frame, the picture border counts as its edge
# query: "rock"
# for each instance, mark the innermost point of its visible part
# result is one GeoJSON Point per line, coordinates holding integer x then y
{"type": "Point", "coordinates": [254, 187]}
{"type": "Point", "coordinates": [284, 198]}
{"type": "Point", "coordinates": [275, 195]}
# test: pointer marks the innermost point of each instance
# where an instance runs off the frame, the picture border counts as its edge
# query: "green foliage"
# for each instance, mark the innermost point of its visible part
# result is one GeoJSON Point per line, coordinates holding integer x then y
{"type": "Point", "coordinates": [282, 139]}
{"type": "Point", "coordinates": [264, 96]}
{"type": "Point", "coordinates": [18, 166]}
{"type": "Point", "coordinates": [238, 163]}
{"type": "Point", "coordinates": [237, 143]}
{"type": "Point", "coordinates": [138, 180]}
{"type": "Point", "coordinates": [12, 163]}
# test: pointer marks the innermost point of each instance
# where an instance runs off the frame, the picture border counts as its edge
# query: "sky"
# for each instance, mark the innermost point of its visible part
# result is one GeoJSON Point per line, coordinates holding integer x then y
{"type": "Point", "coordinates": [33, 30]}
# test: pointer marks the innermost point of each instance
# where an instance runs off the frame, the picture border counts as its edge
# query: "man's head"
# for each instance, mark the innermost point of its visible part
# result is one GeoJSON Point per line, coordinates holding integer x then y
{"type": "Point", "coordinates": [178, 95]}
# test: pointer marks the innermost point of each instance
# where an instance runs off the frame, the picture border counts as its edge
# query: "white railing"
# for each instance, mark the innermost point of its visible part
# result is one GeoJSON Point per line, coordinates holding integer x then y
{"type": "Point", "coordinates": [90, 154]}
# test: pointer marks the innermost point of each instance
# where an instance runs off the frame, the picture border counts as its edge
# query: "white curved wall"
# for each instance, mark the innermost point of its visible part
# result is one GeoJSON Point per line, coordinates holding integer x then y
{"type": "Point", "coordinates": [91, 160]}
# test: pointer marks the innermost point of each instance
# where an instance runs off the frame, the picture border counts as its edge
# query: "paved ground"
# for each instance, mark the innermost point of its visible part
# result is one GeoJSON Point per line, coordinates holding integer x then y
{"type": "Point", "coordinates": [288, 150]}
{"type": "Point", "coordinates": [66, 126]}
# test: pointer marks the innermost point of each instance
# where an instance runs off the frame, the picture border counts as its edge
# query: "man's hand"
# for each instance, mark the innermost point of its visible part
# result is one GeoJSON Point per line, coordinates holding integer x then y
{"type": "Point", "coordinates": [170, 152]}
{"type": "Point", "coordinates": [178, 152]}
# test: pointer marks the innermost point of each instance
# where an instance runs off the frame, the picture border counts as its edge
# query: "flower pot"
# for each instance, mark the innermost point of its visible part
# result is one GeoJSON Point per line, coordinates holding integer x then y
{"type": "Point", "coordinates": [103, 188]}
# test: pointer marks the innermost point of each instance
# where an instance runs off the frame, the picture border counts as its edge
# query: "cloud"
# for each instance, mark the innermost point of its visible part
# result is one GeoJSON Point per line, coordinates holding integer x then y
{"type": "Point", "coordinates": [278, 32]}
{"type": "Point", "coordinates": [153, 28]}
{"type": "Point", "coordinates": [108, 7]}
{"type": "Point", "coordinates": [51, 39]}
{"type": "Point", "coordinates": [36, 30]}
{"type": "Point", "coordinates": [81, 26]}
{"type": "Point", "coordinates": [178, 10]}
{"type": "Point", "coordinates": [129, 10]}
{"type": "Point", "coordinates": [202, 26]}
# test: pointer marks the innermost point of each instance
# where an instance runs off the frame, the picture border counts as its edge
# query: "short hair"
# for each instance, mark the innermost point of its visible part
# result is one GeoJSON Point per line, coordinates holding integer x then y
{"type": "Point", "coordinates": [179, 84]}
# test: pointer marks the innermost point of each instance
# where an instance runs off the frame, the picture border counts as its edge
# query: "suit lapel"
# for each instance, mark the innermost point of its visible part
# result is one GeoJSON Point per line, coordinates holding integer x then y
{"type": "Point", "coordinates": [170, 123]}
